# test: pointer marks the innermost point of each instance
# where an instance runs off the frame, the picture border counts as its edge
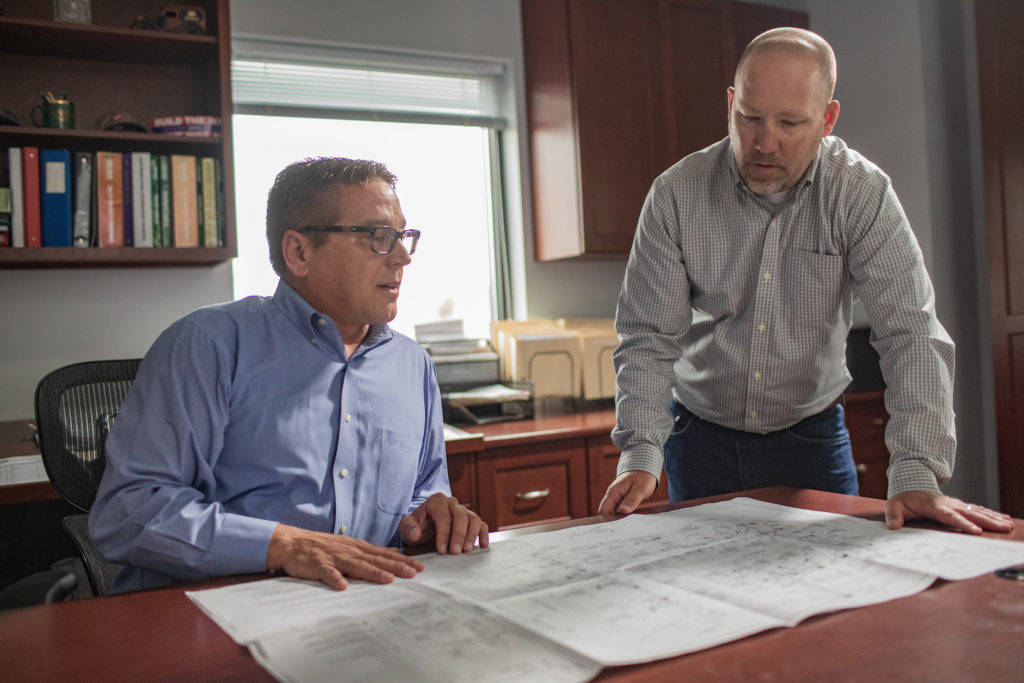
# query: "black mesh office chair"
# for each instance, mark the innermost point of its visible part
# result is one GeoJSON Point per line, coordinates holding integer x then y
{"type": "Point", "coordinates": [41, 588]}
{"type": "Point", "coordinates": [75, 407]}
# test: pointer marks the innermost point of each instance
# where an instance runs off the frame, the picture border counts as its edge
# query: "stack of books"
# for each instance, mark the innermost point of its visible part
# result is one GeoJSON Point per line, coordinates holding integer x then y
{"type": "Point", "coordinates": [61, 198]}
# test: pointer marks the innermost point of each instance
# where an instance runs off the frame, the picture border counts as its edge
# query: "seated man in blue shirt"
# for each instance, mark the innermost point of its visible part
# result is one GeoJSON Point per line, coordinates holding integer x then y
{"type": "Point", "coordinates": [297, 432]}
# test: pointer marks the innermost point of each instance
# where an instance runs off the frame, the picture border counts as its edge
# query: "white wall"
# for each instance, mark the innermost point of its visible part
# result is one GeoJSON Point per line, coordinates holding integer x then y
{"type": "Point", "coordinates": [907, 84]}
{"type": "Point", "coordinates": [53, 317]}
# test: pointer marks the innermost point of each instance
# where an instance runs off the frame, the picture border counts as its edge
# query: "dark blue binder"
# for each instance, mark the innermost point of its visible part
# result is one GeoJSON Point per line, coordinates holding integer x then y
{"type": "Point", "coordinates": [55, 194]}
{"type": "Point", "coordinates": [129, 210]}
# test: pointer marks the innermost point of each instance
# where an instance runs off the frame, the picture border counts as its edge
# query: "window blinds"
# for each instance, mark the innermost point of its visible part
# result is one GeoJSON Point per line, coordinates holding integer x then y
{"type": "Point", "coordinates": [316, 80]}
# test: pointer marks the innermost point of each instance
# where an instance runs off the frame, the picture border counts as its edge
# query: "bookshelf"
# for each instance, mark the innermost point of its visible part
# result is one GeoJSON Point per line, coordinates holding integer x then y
{"type": "Point", "coordinates": [108, 66]}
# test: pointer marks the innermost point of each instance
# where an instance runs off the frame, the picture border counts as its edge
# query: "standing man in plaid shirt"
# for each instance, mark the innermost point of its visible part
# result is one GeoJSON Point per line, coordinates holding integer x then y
{"type": "Point", "coordinates": [737, 301]}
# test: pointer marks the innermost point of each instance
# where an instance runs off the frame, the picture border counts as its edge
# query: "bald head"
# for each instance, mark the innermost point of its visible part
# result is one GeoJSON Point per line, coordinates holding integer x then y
{"type": "Point", "coordinates": [794, 42]}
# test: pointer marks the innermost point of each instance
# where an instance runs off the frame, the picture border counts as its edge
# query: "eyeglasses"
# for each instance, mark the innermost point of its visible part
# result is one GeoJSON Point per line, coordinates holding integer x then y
{"type": "Point", "coordinates": [382, 239]}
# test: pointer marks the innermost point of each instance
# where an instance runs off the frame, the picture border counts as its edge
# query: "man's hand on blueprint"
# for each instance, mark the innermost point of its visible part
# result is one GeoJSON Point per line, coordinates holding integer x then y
{"type": "Point", "coordinates": [454, 527]}
{"type": "Point", "coordinates": [627, 492]}
{"type": "Point", "coordinates": [953, 512]}
{"type": "Point", "coordinates": [329, 558]}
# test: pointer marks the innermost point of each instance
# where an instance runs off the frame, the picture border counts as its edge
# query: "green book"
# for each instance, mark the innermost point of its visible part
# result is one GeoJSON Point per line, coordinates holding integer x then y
{"type": "Point", "coordinates": [154, 192]}
{"type": "Point", "coordinates": [207, 178]}
{"type": "Point", "coordinates": [222, 218]}
{"type": "Point", "coordinates": [200, 214]}
{"type": "Point", "coordinates": [5, 216]}
{"type": "Point", "coordinates": [166, 222]}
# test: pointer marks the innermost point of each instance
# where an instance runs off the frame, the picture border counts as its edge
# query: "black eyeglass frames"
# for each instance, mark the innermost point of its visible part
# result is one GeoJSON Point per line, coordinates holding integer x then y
{"type": "Point", "coordinates": [382, 238]}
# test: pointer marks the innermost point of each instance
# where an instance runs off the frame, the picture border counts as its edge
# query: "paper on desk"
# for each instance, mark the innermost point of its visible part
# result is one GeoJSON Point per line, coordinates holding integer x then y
{"type": "Point", "coordinates": [304, 631]}
{"type": "Point", "coordinates": [640, 588]}
{"type": "Point", "coordinates": [22, 469]}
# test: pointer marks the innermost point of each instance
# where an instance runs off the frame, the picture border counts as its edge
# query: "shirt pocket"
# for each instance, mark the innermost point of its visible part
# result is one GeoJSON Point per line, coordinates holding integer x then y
{"type": "Point", "coordinates": [812, 289]}
{"type": "Point", "coordinates": [397, 471]}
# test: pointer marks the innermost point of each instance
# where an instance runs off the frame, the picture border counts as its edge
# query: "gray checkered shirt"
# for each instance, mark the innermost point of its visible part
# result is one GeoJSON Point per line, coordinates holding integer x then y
{"type": "Point", "coordinates": [739, 309]}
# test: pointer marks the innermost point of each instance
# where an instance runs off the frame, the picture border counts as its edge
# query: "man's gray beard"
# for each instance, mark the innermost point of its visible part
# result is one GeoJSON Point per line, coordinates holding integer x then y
{"type": "Point", "coordinates": [765, 186]}
{"type": "Point", "coordinates": [755, 186]}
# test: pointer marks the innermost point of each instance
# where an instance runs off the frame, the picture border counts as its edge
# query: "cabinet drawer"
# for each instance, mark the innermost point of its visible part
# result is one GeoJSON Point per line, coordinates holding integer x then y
{"type": "Point", "coordinates": [533, 494]}
{"type": "Point", "coordinates": [866, 420]}
{"type": "Point", "coordinates": [532, 483]}
{"type": "Point", "coordinates": [872, 462]}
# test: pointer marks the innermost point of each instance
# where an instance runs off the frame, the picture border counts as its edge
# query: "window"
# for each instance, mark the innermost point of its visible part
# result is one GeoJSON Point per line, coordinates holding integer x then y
{"type": "Point", "coordinates": [436, 125]}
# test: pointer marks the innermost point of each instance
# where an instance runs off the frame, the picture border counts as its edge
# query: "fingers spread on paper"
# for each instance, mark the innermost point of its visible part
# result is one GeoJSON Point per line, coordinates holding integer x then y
{"type": "Point", "coordinates": [950, 511]}
{"type": "Point", "coordinates": [329, 558]}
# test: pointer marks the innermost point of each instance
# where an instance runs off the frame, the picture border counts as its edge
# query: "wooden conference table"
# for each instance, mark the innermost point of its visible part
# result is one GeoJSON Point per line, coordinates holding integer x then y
{"type": "Point", "coordinates": [954, 631]}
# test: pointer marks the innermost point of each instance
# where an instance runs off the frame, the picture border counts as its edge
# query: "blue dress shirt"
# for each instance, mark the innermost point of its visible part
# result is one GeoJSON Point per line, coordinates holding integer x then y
{"type": "Point", "coordinates": [247, 414]}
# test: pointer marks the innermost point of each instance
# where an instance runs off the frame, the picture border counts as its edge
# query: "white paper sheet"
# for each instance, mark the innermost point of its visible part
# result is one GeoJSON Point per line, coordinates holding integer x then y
{"type": "Point", "coordinates": [561, 605]}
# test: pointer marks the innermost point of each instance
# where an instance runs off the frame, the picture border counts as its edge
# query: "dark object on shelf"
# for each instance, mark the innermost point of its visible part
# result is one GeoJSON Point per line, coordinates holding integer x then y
{"type": "Point", "coordinates": [176, 19]}
{"type": "Point", "coordinates": [7, 117]}
{"type": "Point", "coordinates": [120, 121]}
{"type": "Point", "coordinates": [54, 112]}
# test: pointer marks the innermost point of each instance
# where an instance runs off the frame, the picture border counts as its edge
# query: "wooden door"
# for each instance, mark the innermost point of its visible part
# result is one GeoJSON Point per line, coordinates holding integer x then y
{"type": "Point", "coordinates": [1000, 56]}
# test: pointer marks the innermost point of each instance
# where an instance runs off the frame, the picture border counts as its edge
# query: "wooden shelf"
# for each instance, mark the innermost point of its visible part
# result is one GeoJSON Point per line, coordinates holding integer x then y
{"type": "Point", "coordinates": [108, 67]}
{"type": "Point", "coordinates": [105, 43]}
{"type": "Point", "coordinates": [110, 141]}
{"type": "Point", "coordinates": [112, 257]}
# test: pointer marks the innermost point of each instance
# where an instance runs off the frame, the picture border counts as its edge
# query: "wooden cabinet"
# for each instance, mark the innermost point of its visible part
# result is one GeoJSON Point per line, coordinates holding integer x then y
{"type": "Point", "coordinates": [533, 483]}
{"type": "Point", "coordinates": [558, 467]}
{"type": "Point", "coordinates": [108, 66]}
{"type": "Point", "coordinates": [461, 456]}
{"type": "Point", "coordinates": [617, 91]}
{"type": "Point", "coordinates": [866, 419]}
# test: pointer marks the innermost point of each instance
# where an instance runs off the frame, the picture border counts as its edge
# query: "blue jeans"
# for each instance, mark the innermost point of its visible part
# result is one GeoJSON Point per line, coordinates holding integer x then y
{"type": "Point", "coordinates": [706, 459]}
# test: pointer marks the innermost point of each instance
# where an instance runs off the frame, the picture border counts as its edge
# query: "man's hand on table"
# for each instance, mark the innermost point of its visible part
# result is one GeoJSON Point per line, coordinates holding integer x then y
{"type": "Point", "coordinates": [454, 527]}
{"type": "Point", "coordinates": [329, 558]}
{"type": "Point", "coordinates": [626, 493]}
{"type": "Point", "coordinates": [952, 512]}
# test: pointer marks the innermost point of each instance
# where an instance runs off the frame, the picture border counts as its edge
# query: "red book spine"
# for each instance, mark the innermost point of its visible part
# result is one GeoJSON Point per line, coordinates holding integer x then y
{"type": "Point", "coordinates": [30, 188]}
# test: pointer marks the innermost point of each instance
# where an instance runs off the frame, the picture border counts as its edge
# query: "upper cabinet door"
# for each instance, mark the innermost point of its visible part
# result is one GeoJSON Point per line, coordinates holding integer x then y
{"type": "Point", "coordinates": [696, 60]}
{"type": "Point", "coordinates": [618, 91]}
{"type": "Point", "coordinates": [615, 98]}
{"type": "Point", "coordinates": [589, 100]}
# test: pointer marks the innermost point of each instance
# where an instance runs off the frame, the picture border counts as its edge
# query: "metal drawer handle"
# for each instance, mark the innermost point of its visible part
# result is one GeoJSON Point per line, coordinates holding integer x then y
{"type": "Point", "coordinates": [878, 420]}
{"type": "Point", "coordinates": [533, 495]}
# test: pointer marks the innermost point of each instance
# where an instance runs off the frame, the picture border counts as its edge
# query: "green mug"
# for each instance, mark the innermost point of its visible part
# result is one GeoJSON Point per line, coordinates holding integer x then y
{"type": "Point", "coordinates": [54, 112]}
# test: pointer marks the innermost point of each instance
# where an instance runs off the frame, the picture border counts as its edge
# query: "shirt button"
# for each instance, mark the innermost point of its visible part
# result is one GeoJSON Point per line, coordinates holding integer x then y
{"type": "Point", "coordinates": [767, 276]}
{"type": "Point", "coordinates": [753, 413]}
{"type": "Point", "coordinates": [344, 472]}
{"type": "Point", "coordinates": [761, 328]}
{"type": "Point", "coordinates": [344, 528]}
{"type": "Point", "coordinates": [312, 340]}
{"type": "Point", "coordinates": [348, 418]}
{"type": "Point", "coordinates": [772, 224]}
{"type": "Point", "coordinates": [757, 374]}
{"type": "Point", "coordinates": [321, 322]}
